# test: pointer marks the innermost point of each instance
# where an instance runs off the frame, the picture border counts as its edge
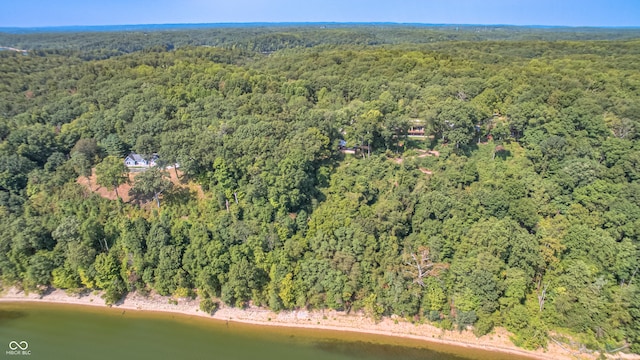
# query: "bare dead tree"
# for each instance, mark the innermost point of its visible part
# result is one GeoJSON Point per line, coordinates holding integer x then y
{"type": "Point", "coordinates": [542, 293]}
{"type": "Point", "coordinates": [106, 246]}
{"type": "Point", "coordinates": [420, 265]}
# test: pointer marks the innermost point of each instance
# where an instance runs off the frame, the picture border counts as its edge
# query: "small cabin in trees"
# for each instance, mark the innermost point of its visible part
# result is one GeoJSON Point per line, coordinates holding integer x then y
{"type": "Point", "coordinates": [342, 146]}
{"type": "Point", "coordinates": [416, 128]}
{"type": "Point", "coordinates": [136, 160]}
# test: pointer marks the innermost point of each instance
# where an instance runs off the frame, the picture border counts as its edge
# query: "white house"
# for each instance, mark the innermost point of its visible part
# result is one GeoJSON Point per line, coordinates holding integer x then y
{"type": "Point", "coordinates": [135, 160]}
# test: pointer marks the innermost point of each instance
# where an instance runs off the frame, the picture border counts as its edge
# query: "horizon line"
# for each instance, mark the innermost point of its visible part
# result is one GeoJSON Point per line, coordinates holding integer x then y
{"type": "Point", "coordinates": [311, 23]}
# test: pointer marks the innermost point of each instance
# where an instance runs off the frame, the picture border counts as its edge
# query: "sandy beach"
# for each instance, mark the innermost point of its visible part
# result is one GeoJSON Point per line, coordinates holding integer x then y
{"type": "Point", "coordinates": [325, 320]}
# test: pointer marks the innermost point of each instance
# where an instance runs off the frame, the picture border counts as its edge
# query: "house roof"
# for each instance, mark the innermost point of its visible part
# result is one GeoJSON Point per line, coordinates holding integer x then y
{"type": "Point", "coordinates": [136, 157]}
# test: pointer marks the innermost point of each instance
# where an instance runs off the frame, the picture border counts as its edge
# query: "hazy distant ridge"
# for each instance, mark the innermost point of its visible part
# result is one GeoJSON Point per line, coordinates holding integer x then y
{"type": "Point", "coordinates": [161, 27]}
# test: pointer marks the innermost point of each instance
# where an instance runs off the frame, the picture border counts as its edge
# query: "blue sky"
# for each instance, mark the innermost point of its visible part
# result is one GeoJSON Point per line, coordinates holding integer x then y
{"type": "Point", "coordinates": [32, 13]}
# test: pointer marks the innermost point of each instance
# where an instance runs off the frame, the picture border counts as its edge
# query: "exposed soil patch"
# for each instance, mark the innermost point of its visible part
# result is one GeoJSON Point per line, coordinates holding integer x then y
{"type": "Point", "coordinates": [425, 153]}
{"type": "Point", "coordinates": [123, 190]}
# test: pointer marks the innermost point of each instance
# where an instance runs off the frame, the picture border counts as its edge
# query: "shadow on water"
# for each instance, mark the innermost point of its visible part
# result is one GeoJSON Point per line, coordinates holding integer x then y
{"type": "Point", "coordinates": [8, 315]}
{"type": "Point", "coordinates": [367, 350]}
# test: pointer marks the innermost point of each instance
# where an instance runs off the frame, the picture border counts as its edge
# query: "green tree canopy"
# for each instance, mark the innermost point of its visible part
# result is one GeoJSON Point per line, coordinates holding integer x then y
{"type": "Point", "coordinates": [111, 173]}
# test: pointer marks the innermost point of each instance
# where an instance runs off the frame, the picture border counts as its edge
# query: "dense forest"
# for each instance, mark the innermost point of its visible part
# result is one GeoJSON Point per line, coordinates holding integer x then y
{"type": "Point", "coordinates": [519, 207]}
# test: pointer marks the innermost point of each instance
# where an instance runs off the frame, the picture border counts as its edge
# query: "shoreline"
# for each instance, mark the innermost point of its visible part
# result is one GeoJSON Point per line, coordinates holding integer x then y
{"type": "Point", "coordinates": [329, 320]}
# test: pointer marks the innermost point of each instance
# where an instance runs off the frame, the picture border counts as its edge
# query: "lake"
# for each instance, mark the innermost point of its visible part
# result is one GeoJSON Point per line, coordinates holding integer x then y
{"type": "Point", "coordinates": [52, 332]}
